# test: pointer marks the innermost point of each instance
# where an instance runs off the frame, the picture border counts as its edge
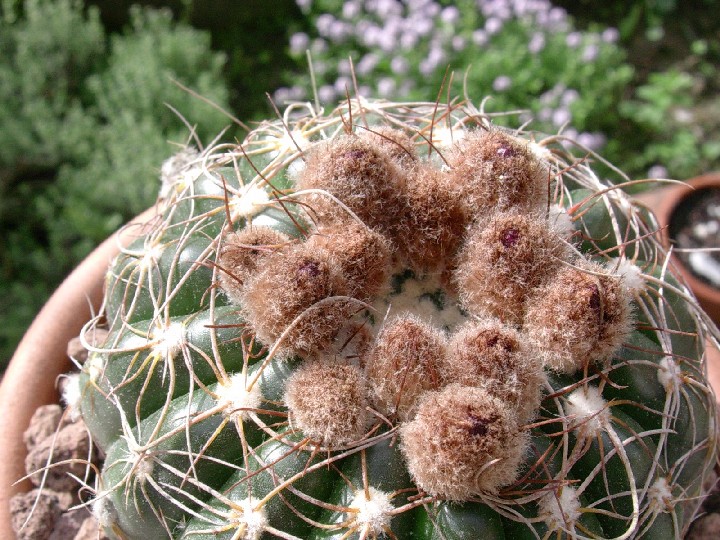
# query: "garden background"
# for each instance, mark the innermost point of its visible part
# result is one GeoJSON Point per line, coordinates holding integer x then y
{"type": "Point", "coordinates": [95, 95]}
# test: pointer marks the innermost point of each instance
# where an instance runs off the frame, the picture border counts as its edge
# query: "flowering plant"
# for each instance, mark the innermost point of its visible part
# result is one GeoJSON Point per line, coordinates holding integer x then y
{"type": "Point", "coordinates": [526, 53]}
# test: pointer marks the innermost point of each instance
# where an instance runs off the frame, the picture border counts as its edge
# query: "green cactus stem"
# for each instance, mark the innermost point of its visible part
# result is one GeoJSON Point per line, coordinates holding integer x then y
{"type": "Point", "coordinates": [396, 320]}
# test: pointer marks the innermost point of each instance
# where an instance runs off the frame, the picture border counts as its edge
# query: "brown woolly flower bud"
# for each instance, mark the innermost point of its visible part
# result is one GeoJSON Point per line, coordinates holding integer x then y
{"type": "Point", "coordinates": [503, 261]}
{"type": "Point", "coordinates": [403, 364]}
{"type": "Point", "coordinates": [578, 317]}
{"type": "Point", "coordinates": [431, 222]}
{"type": "Point", "coordinates": [493, 170]}
{"type": "Point", "coordinates": [394, 142]}
{"type": "Point", "coordinates": [359, 174]}
{"type": "Point", "coordinates": [490, 355]}
{"type": "Point", "coordinates": [292, 295]}
{"type": "Point", "coordinates": [242, 255]}
{"type": "Point", "coordinates": [462, 442]}
{"type": "Point", "coordinates": [327, 401]}
{"type": "Point", "coordinates": [363, 256]}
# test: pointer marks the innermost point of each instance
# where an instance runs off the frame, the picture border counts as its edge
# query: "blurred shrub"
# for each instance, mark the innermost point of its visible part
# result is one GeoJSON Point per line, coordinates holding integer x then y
{"type": "Point", "coordinates": [251, 33]}
{"type": "Point", "coordinates": [84, 128]}
{"type": "Point", "coordinates": [44, 59]}
{"type": "Point", "coordinates": [136, 130]}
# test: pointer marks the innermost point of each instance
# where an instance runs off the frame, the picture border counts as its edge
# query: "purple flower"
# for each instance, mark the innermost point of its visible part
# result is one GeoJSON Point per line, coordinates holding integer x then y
{"type": "Point", "coordinates": [405, 88]}
{"type": "Point", "coordinates": [326, 93]}
{"type": "Point", "coordinates": [502, 83]}
{"type": "Point", "coordinates": [299, 43]}
{"type": "Point", "coordinates": [545, 114]}
{"type": "Point", "coordinates": [361, 27]}
{"type": "Point", "coordinates": [387, 42]}
{"type": "Point", "coordinates": [386, 87]}
{"type": "Point", "coordinates": [323, 24]}
{"type": "Point", "coordinates": [590, 52]}
{"type": "Point", "coordinates": [573, 39]}
{"type": "Point", "coordinates": [319, 46]}
{"type": "Point", "coordinates": [557, 16]}
{"type": "Point", "coordinates": [493, 25]}
{"type": "Point", "coordinates": [418, 5]}
{"type": "Point", "coordinates": [422, 25]}
{"type": "Point", "coordinates": [551, 96]}
{"type": "Point", "coordinates": [495, 8]}
{"type": "Point", "coordinates": [351, 9]}
{"type": "Point", "coordinates": [458, 43]}
{"type": "Point", "coordinates": [657, 171]}
{"type": "Point", "coordinates": [426, 67]}
{"type": "Point", "coordinates": [436, 54]}
{"type": "Point", "coordinates": [281, 95]}
{"type": "Point", "coordinates": [343, 85]}
{"type": "Point", "coordinates": [367, 64]}
{"type": "Point", "coordinates": [568, 96]}
{"type": "Point", "coordinates": [537, 43]}
{"type": "Point", "coordinates": [320, 67]}
{"type": "Point", "coordinates": [450, 15]}
{"type": "Point", "coordinates": [522, 8]}
{"type": "Point", "coordinates": [399, 65]}
{"type": "Point", "coordinates": [339, 31]}
{"type": "Point", "coordinates": [610, 35]}
{"type": "Point", "coordinates": [372, 36]}
{"type": "Point", "coordinates": [285, 94]}
{"type": "Point", "coordinates": [561, 117]}
{"type": "Point", "coordinates": [593, 141]}
{"type": "Point", "coordinates": [572, 135]}
{"type": "Point", "coordinates": [431, 9]}
{"type": "Point", "coordinates": [343, 67]}
{"type": "Point", "coordinates": [385, 8]}
{"type": "Point", "coordinates": [552, 20]}
{"type": "Point", "coordinates": [480, 37]}
{"type": "Point", "coordinates": [408, 40]}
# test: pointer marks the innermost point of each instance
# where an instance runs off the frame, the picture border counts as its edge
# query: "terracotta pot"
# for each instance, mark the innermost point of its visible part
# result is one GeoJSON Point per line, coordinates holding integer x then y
{"type": "Point", "coordinates": [665, 202]}
{"type": "Point", "coordinates": [30, 379]}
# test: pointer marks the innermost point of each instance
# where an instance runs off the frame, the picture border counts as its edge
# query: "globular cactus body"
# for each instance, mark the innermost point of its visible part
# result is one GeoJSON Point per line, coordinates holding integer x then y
{"type": "Point", "coordinates": [396, 321]}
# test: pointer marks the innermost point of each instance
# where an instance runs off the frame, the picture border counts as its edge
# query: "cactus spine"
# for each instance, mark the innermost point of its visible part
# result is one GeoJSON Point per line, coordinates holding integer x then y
{"type": "Point", "coordinates": [396, 321]}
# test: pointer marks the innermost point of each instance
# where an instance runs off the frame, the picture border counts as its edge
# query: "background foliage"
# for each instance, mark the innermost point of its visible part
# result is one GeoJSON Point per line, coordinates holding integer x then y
{"type": "Point", "coordinates": [85, 89]}
{"type": "Point", "coordinates": [83, 129]}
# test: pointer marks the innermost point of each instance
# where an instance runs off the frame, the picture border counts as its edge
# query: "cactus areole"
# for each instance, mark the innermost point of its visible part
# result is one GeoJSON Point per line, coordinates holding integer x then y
{"type": "Point", "coordinates": [396, 321]}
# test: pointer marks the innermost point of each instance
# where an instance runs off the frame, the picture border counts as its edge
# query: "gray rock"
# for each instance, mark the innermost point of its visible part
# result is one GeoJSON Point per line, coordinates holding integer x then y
{"type": "Point", "coordinates": [42, 516]}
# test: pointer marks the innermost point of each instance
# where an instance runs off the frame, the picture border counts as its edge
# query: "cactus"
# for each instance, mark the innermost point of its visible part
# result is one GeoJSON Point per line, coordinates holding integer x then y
{"type": "Point", "coordinates": [396, 321]}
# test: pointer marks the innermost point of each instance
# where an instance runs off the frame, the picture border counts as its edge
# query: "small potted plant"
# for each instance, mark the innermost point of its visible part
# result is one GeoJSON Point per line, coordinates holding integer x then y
{"type": "Point", "coordinates": [395, 320]}
{"type": "Point", "coordinates": [689, 218]}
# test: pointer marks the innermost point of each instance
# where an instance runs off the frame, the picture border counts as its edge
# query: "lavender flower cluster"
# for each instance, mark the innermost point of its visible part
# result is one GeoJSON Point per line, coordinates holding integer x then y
{"type": "Point", "coordinates": [526, 53]}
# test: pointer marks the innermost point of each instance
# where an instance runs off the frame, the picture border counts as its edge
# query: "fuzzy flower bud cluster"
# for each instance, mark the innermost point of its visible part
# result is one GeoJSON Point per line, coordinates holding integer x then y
{"type": "Point", "coordinates": [387, 226]}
